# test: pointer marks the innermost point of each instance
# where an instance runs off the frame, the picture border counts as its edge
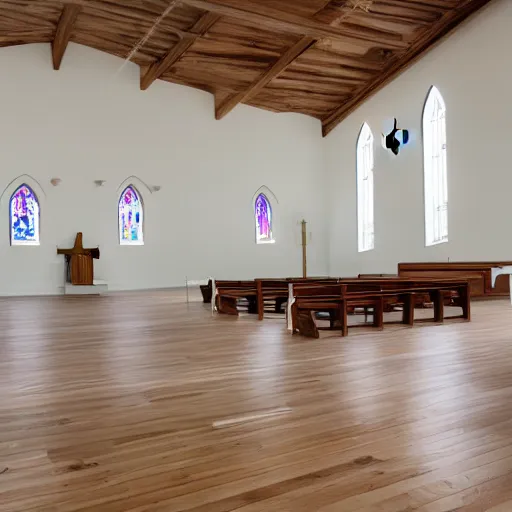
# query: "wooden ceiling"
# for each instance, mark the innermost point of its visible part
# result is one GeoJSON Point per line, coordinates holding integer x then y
{"type": "Point", "coordinates": [317, 57]}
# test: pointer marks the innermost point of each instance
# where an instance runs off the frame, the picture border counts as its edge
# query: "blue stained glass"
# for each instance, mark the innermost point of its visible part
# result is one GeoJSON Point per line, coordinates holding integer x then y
{"type": "Point", "coordinates": [263, 215]}
{"type": "Point", "coordinates": [24, 217]}
{"type": "Point", "coordinates": [130, 217]}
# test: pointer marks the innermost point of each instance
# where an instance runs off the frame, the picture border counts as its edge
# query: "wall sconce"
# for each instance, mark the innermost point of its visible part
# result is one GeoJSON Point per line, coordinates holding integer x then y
{"type": "Point", "coordinates": [99, 183]}
{"type": "Point", "coordinates": [55, 181]}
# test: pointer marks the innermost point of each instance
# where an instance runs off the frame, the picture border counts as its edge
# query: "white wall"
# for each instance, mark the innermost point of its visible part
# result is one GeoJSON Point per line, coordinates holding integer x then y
{"type": "Point", "coordinates": [88, 122]}
{"type": "Point", "coordinates": [473, 71]}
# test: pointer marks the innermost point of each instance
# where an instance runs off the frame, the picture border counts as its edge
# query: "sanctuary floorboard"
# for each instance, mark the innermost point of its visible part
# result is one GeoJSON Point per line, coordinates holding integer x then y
{"type": "Point", "coordinates": [142, 403]}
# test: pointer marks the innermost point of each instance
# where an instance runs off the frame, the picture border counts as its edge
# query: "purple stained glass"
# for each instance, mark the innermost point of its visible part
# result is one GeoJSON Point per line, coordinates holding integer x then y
{"type": "Point", "coordinates": [130, 217]}
{"type": "Point", "coordinates": [263, 214]}
{"type": "Point", "coordinates": [24, 217]}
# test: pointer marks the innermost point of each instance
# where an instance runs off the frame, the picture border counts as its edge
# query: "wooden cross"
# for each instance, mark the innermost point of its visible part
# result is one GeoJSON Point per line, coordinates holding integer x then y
{"type": "Point", "coordinates": [78, 248]}
{"type": "Point", "coordinates": [79, 261]}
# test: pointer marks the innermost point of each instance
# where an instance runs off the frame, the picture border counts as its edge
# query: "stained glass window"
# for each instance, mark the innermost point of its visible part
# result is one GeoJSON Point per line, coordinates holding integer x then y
{"type": "Point", "coordinates": [263, 216]}
{"type": "Point", "coordinates": [130, 218]}
{"type": "Point", "coordinates": [435, 169]}
{"type": "Point", "coordinates": [24, 217]}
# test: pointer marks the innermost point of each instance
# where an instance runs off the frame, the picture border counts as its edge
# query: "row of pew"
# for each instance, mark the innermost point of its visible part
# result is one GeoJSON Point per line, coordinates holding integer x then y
{"type": "Point", "coordinates": [336, 298]}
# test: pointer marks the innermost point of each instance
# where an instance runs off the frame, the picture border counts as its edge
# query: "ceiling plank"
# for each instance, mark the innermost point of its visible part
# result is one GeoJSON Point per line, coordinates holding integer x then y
{"type": "Point", "coordinates": [400, 63]}
{"type": "Point", "coordinates": [223, 107]}
{"type": "Point", "coordinates": [63, 33]}
{"type": "Point", "coordinates": [157, 69]}
{"type": "Point", "coordinates": [285, 60]}
{"type": "Point", "coordinates": [277, 20]}
{"type": "Point", "coordinates": [357, 51]}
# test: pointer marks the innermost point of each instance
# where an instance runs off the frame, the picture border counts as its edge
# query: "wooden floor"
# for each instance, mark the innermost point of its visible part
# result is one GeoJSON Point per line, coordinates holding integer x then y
{"type": "Point", "coordinates": [108, 404]}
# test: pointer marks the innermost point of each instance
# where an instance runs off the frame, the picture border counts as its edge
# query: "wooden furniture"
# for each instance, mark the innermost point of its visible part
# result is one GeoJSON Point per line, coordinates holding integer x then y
{"type": "Point", "coordinates": [276, 291]}
{"type": "Point", "coordinates": [257, 293]}
{"type": "Point", "coordinates": [245, 51]}
{"type": "Point", "coordinates": [373, 276]}
{"type": "Point", "coordinates": [336, 299]}
{"type": "Point", "coordinates": [206, 291]}
{"type": "Point", "coordinates": [478, 273]}
{"type": "Point", "coordinates": [229, 294]}
{"type": "Point", "coordinates": [79, 262]}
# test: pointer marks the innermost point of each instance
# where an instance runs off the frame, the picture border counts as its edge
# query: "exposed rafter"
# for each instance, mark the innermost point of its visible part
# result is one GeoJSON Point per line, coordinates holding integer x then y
{"type": "Point", "coordinates": [157, 69]}
{"type": "Point", "coordinates": [63, 33]}
{"type": "Point", "coordinates": [294, 52]}
{"type": "Point", "coordinates": [278, 20]}
{"type": "Point", "coordinates": [285, 60]}
{"type": "Point", "coordinates": [322, 58]}
{"type": "Point", "coordinates": [400, 63]}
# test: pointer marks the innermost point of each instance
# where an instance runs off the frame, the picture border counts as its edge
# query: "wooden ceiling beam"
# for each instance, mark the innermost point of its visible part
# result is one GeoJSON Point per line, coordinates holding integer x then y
{"type": "Point", "coordinates": [161, 66]}
{"type": "Point", "coordinates": [63, 33]}
{"type": "Point", "coordinates": [222, 108]}
{"type": "Point", "coordinates": [415, 6]}
{"type": "Point", "coordinates": [282, 21]}
{"type": "Point", "coordinates": [400, 63]}
{"type": "Point", "coordinates": [282, 63]}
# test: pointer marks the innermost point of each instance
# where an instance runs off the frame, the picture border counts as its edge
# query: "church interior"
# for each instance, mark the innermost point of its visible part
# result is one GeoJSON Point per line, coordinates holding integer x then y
{"type": "Point", "coordinates": [253, 256]}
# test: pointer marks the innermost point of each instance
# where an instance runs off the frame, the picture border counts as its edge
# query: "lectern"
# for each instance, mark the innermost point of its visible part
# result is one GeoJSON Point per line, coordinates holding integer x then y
{"type": "Point", "coordinates": [80, 269]}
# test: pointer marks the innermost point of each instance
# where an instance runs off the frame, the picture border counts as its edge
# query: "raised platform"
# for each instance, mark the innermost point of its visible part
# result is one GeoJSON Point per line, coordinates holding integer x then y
{"type": "Point", "coordinates": [98, 288]}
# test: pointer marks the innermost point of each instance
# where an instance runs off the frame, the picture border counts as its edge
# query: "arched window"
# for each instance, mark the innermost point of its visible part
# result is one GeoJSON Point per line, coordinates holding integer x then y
{"type": "Point", "coordinates": [435, 170]}
{"type": "Point", "coordinates": [263, 218]}
{"type": "Point", "coordinates": [24, 217]}
{"type": "Point", "coordinates": [130, 217]}
{"type": "Point", "coordinates": [364, 171]}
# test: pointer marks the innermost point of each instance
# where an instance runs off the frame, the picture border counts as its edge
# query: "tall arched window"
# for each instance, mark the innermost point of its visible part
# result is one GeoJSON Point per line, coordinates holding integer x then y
{"type": "Point", "coordinates": [364, 171]}
{"type": "Point", "coordinates": [24, 217]}
{"type": "Point", "coordinates": [130, 217]}
{"type": "Point", "coordinates": [435, 170]}
{"type": "Point", "coordinates": [263, 219]}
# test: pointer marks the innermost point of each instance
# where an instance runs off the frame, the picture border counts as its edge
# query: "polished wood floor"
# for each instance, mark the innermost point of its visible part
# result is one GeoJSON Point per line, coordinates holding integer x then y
{"type": "Point", "coordinates": [109, 404]}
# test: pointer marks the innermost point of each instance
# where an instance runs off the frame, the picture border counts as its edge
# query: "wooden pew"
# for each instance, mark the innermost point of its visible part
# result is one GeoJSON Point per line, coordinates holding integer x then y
{"type": "Point", "coordinates": [479, 274]}
{"type": "Point", "coordinates": [310, 299]}
{"type": "Point", "coordinates": [271, 290]}
{"type": "Point", "coordinates": [421, 301]}
{"type": "Point", "coordinates": [337, 300]}
{"type": "Point", "coordinates": [206, 291]}
{"type": "Point", "coordinates": [276, 291]}
{"type": "Point", "coordinates": [229, 293]}
{"type": "Point", "coordinates": [354, 283]}
{"type": "Point", "coordinates": [421, 290]}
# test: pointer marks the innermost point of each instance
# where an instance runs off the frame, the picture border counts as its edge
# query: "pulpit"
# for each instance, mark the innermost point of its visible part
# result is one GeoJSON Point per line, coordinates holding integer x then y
{"type": "Point", "coordinates": [79, 264]}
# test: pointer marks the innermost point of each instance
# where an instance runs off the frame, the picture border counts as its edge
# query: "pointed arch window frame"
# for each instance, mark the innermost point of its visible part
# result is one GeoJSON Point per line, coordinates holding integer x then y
{"type": "Point", "coordinates": [259, 239]}
{"type": "Point", "coordinates": [140, 240]}
{"type": "Point", "coordinates": [365, 189]}
{"type": "Point", "coordinates": [435, 168]}
{"type": "Point", "coordinates": [37, 219]}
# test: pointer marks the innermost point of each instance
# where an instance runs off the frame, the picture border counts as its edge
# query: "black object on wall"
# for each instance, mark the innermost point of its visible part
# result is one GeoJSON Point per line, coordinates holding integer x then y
{"type": "Point", "coordinates": [396, 138]}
